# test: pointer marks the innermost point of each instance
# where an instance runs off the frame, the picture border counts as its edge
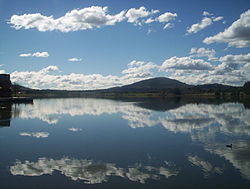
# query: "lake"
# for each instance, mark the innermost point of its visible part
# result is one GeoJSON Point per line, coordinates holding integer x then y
{"type": "Point", "coordinates": [100, 143]}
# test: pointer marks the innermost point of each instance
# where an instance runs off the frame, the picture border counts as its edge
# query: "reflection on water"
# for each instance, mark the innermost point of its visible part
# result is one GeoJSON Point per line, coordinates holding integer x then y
{"type": "Point", "coordinates": [231, 118]}
{"type": "Point", "coordinates": [5, 114]}
{"type": "Point", "coordinates": [206, 167]}
{"type": "Point", "coordinates": [209, 126]}
{"type": "Point", "coordinates": [73, 129]}
{"type": "Point", "coordinates": [35, 134]}
{"type": "Point", "coordinates": [91, 172]}
{"type": "Point", "coordinates": [239, 155]}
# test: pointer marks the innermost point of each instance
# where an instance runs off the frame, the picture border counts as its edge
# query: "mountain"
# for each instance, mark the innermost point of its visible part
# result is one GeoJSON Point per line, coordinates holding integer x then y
{"type": "Point", "coordinates": [150, 85]}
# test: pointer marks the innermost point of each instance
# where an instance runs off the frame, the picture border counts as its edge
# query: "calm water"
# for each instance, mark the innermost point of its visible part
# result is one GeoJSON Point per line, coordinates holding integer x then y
{"type": "Point", "coordinates": [97, 143]}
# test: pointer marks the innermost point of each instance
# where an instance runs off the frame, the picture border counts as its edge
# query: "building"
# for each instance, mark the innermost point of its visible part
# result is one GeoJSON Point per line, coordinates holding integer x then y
{"type": "Point", "coordinates": [5, 85]}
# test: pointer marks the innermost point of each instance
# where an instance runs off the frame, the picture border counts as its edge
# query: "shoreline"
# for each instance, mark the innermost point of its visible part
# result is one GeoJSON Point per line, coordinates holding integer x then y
{"type": "Point", "coordinates": [16, 99]}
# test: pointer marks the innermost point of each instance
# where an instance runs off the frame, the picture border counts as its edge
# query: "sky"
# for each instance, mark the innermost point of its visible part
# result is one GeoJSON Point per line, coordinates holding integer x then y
{"type": "Point", "coordinates": [95, 44]}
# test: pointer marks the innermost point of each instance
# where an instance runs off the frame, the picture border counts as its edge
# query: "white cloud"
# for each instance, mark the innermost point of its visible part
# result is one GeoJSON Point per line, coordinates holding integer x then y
{"type": "Point", "coordinates": [237, 59]}
{"type": "Point", "coordinates": [231, 70]}
{"type": "Point", "coordinates": [35, 134]}
{"type": "Point", "coordinates": [149, 20]}
{"type": "Point", "coordinates": [135, 63]}
{"type": "Point", "coordinates": [203, 52]}
{"type": "Point", "coordinates": [2, 71]}
{"type": "Point", "coordinates": [74, 59]}
{"type": "Point", "coordinates": [185, 63]}
{"type": "Point", "coordinates": [238, 34]}
{"type": "Point", "coordinates": [44, 79]}
{"type": "Point", "coordinates": [40, 54]}
{"type": "Point", "coordinates": [77, 19]}
{"type": "Point", "coordinates": [215, 19]}
{"type": "Point", "coordinates": [192, 69]}
{"type": "Point", "coordinates": [49, 69]}
{"type": "Point", "coordinates": [166, 17]}
{"type": "Point", "coordinates": [168, 25]}
{"type": "Point", "coordinates": [88, 18]}
{"type": "Point", "coordinates": [139, 69]}
{"type": "Point", "coordinates": [205, 13]}
{"type": "Point", "coordinates": [134, 15]}
{"type": "Point", "coordinates": [25, 55]}
{"type": "Point", "coordinates": [234, 65]}
{"type": "Point", "coordinates": [163, 18]}
{"type": "Point", "coordinates": [205, 22]}
{"type": "Point", "coordinates": [36, 54]}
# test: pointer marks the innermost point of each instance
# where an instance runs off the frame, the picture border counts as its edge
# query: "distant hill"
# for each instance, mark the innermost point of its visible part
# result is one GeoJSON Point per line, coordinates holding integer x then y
{"type": "Point", "coordinates": [215, 86]}
{"type": "Point", "coordinates": [16, 87]}
{"type": "Point", "coordinates": [150, 85]}
{"type": "Point", "coordinates": [154, 87]}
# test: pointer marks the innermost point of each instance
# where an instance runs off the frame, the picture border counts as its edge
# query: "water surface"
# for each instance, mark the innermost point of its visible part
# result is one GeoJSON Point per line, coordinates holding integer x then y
{"type": "Point", "coordinates": [98, 143]}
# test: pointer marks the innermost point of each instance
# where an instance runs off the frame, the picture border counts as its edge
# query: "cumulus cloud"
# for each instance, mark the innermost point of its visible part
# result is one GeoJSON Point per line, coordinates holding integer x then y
{"type": "Point", "coordinates": [36, 54]}
{"type": "Point", "coordinates": [205, 13]}
{"type": "Point", "coordinates": [45, 79]}
{"type": "Point", "coordinates": [49, 69]}
{"type": "Point", "coordinates": [168, 25]}
{"type": "Point", "coordinates": [88, 18]}
{"type": "Point", "coordinates": [25, 55]}
{"type": "Point", "coordinates": [216, 19]}
{"type": "Point", "coordinates": [205, 22]}
{"type": "Point", "coordinates": [223, 74]}
{"type": "Point", "coordinates": [149, 20]}
{"type": "Point", "coordinates": [35, 134]}
{"type": "Point", "coordinates": [139, 69]}
{"type": "Point", "coordinates": [163, 18]}
{"type": "Point", "coordinates": [74, 59]}
{"type": "Point", "coordinates": [238, 34]}
{"type": "Point", "coordinates": [234, 65]}
{"type": "Point", "coordinates": [77, 19]}
{"type": "Point", "coordinates": [203, 52]}
{"type": "Point", "coordinates": [237, 59]}
{"type": "Point", "coordinates": [194, 69]}
{"type": "Point", "coordinates": [185, 63]}
{"type": "Point", "coordinates": [134, 15]}
{"type": "Point", "coordinates": [166, 17]}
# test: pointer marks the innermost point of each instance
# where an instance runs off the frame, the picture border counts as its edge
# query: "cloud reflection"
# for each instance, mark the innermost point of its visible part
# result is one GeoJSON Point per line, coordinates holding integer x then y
{"type": "Point", "coordinates": [230, 118]}
{"type": "Point", "coordinates": [206, 167]}
{"type": "Point", "coordinates": [239, 155]}
{"type": "Point", "coordinates": [73, 129]}
{"type": "Point", "coordinates": [35, 134]}
{"type": "Point", "coordinates": [89, 171]}
{"type": "Point", "coordinates": [203, 122]}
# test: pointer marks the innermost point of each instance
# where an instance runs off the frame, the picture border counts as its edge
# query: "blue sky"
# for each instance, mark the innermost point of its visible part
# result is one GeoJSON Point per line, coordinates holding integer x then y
{"type": "Point", "coordinates": [89, 44]}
